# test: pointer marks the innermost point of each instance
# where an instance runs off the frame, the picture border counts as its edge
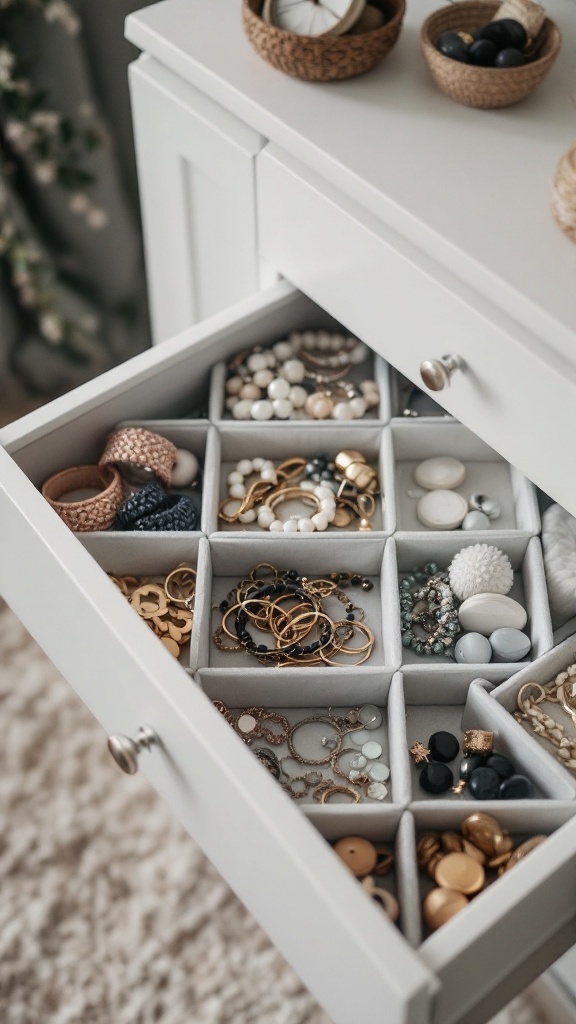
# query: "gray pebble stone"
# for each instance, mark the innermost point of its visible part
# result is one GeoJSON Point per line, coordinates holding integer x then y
{"type": "Point", "coordinates": [473, 649]}
{"type": "Point", "coordinates": [476, 520]}
{"type": "Point", "coordinates": [509, 644]}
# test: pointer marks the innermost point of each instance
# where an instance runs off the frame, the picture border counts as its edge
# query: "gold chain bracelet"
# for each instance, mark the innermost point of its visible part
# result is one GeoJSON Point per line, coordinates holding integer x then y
{"type": "Point", "coordinates": [562, 691]}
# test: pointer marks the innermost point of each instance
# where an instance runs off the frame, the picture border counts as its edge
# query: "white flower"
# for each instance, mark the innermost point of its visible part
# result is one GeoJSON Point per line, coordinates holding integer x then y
{"type": "Point", "coordinates": [60, 11]}
{"type": "Point", "coordinates": [47, 119]}
{"type": "Point", "coordinates": [79, 202]}
{"type": "Point", "coordinates": [15, 130]}
{"type": "Point", "coordinates": [96, 218]}
{"type": "Point", "coordinates": [45, 172]}
{"type": "Point", "coordinates": [51, 327]}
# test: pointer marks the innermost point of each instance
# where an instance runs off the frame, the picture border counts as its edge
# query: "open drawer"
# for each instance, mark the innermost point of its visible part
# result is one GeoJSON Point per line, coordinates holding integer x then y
{"type": "Point", "coordinates": [274, 854]}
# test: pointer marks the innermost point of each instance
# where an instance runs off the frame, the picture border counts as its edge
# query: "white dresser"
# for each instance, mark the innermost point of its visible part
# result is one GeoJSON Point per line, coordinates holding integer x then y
{"type": "Point", "coordinates": [425, 229]}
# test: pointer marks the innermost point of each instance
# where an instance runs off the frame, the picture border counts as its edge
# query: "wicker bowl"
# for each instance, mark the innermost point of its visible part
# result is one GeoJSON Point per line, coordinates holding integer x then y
{"type": "Point", "coordinates": [480, 86]}
{"type": "Point", "coordinates": [323, 58]}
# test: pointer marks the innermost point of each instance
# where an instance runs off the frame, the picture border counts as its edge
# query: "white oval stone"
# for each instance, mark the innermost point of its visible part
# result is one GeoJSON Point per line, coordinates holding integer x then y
{"type": "Point", "coordinates": [248, 516]}
{"type": "Point", "coordinates": [237, 490]}
{"type": "Point", "coordinates": [484, 613]}
{"type": "Point", "coordinates": [440, 472]}
{"type": "Point", "coordinates": [290, 526]}
{"type": "Point", "coordinates": [472, 649]}
{"type": "Point", "coordinates": [276, 526]}
{"type": "Point", "coordinates": [441, 510]}
{"type": "Point", "coordinates": [244, 467]}
{"type": "Point", "coordinates": [235, 478]}
{"type": "Point", "coordinates": [185, 469]}
{"type": "Point", "coordinates": [258, 463]}
{"type": "Point", "coordinates": [509, 644]}
{"type": "Point", "coordinates": [361, 736]}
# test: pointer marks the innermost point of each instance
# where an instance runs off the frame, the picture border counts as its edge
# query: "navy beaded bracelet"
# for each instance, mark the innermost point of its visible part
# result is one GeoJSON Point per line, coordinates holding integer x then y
{"type": "Point", "coordinates": [152, 508]}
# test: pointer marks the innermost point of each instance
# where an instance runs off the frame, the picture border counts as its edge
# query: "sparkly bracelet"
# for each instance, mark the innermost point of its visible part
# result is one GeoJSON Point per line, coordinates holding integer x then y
{"type": "Point", "coordinates": [431, 607]}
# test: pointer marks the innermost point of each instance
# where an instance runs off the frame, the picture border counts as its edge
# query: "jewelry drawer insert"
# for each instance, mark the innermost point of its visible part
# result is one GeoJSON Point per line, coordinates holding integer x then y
{"type": "Point", "coordinates": [334, 592]}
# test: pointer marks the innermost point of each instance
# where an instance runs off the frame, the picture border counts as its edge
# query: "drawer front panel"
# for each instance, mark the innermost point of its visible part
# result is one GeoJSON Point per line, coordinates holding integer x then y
{"type": "Point", "coordinates": [515, 396]}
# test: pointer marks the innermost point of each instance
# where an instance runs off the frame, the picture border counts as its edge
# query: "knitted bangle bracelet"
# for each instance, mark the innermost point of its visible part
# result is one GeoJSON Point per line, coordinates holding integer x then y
{"type": "Point", "coordinates": [153, 509]}
{"type": "Point", "coordinates": [180, 514]}
{"type": "Point", "coordinates": [151, 498]}
{"type": "Point", "coordinates": [135, 446]}
{"type": "Point", "coordinates": [94, 513]}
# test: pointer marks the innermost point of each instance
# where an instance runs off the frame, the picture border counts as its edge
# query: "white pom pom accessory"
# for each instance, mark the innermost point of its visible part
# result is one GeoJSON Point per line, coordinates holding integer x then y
{"type": "Point", "coordinates": [480, 569]}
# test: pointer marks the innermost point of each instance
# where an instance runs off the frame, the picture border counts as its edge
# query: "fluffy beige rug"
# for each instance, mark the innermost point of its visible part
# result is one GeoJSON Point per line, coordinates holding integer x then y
{"type": "Point", "coordinates": [109, 913]}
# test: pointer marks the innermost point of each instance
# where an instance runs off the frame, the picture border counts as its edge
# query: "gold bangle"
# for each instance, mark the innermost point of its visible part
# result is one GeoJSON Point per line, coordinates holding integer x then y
{"type": "Point", "coordinates": [184, 578]}
{"type": "Point", "coordinates": [366, 650]}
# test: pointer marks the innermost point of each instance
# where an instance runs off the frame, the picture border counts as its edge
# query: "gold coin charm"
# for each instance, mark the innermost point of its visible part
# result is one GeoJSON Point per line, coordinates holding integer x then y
{"type": "Point", "coordinates": [461, 872]}
{"type": "Point", "coordinates": [358, 854]}
{"type": "Point", "coordinates": [440, 905]}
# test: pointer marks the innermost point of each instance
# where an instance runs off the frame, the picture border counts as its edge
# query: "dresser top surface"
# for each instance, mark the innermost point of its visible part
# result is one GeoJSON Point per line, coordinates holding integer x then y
{"type": "Point", "coordinates": [470, 188]}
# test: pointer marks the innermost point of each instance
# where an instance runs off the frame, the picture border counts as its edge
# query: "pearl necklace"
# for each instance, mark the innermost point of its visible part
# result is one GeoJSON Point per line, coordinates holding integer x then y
{"type": "Point", "coordinates": [300, 378]}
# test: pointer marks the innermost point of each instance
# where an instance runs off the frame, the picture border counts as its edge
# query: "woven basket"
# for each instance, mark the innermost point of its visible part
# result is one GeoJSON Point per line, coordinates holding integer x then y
{"type": "Point", "coordinates": [478, 86]}
{"type": "Point", "coordinates": [323, 58]}
{"type": "Point", "coordinates": [564, 193]}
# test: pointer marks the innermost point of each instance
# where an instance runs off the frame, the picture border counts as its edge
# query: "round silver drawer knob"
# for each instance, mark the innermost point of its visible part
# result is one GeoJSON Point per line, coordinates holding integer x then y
{"type": "Point", "coordinates": [125, 751]}
{"type": "Point", "coordinates": [436, 373]}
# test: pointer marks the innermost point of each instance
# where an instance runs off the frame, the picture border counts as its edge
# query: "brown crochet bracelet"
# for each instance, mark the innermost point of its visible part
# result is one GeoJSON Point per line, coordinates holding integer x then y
{"type": "Point", "coordinates": [95, 513]}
